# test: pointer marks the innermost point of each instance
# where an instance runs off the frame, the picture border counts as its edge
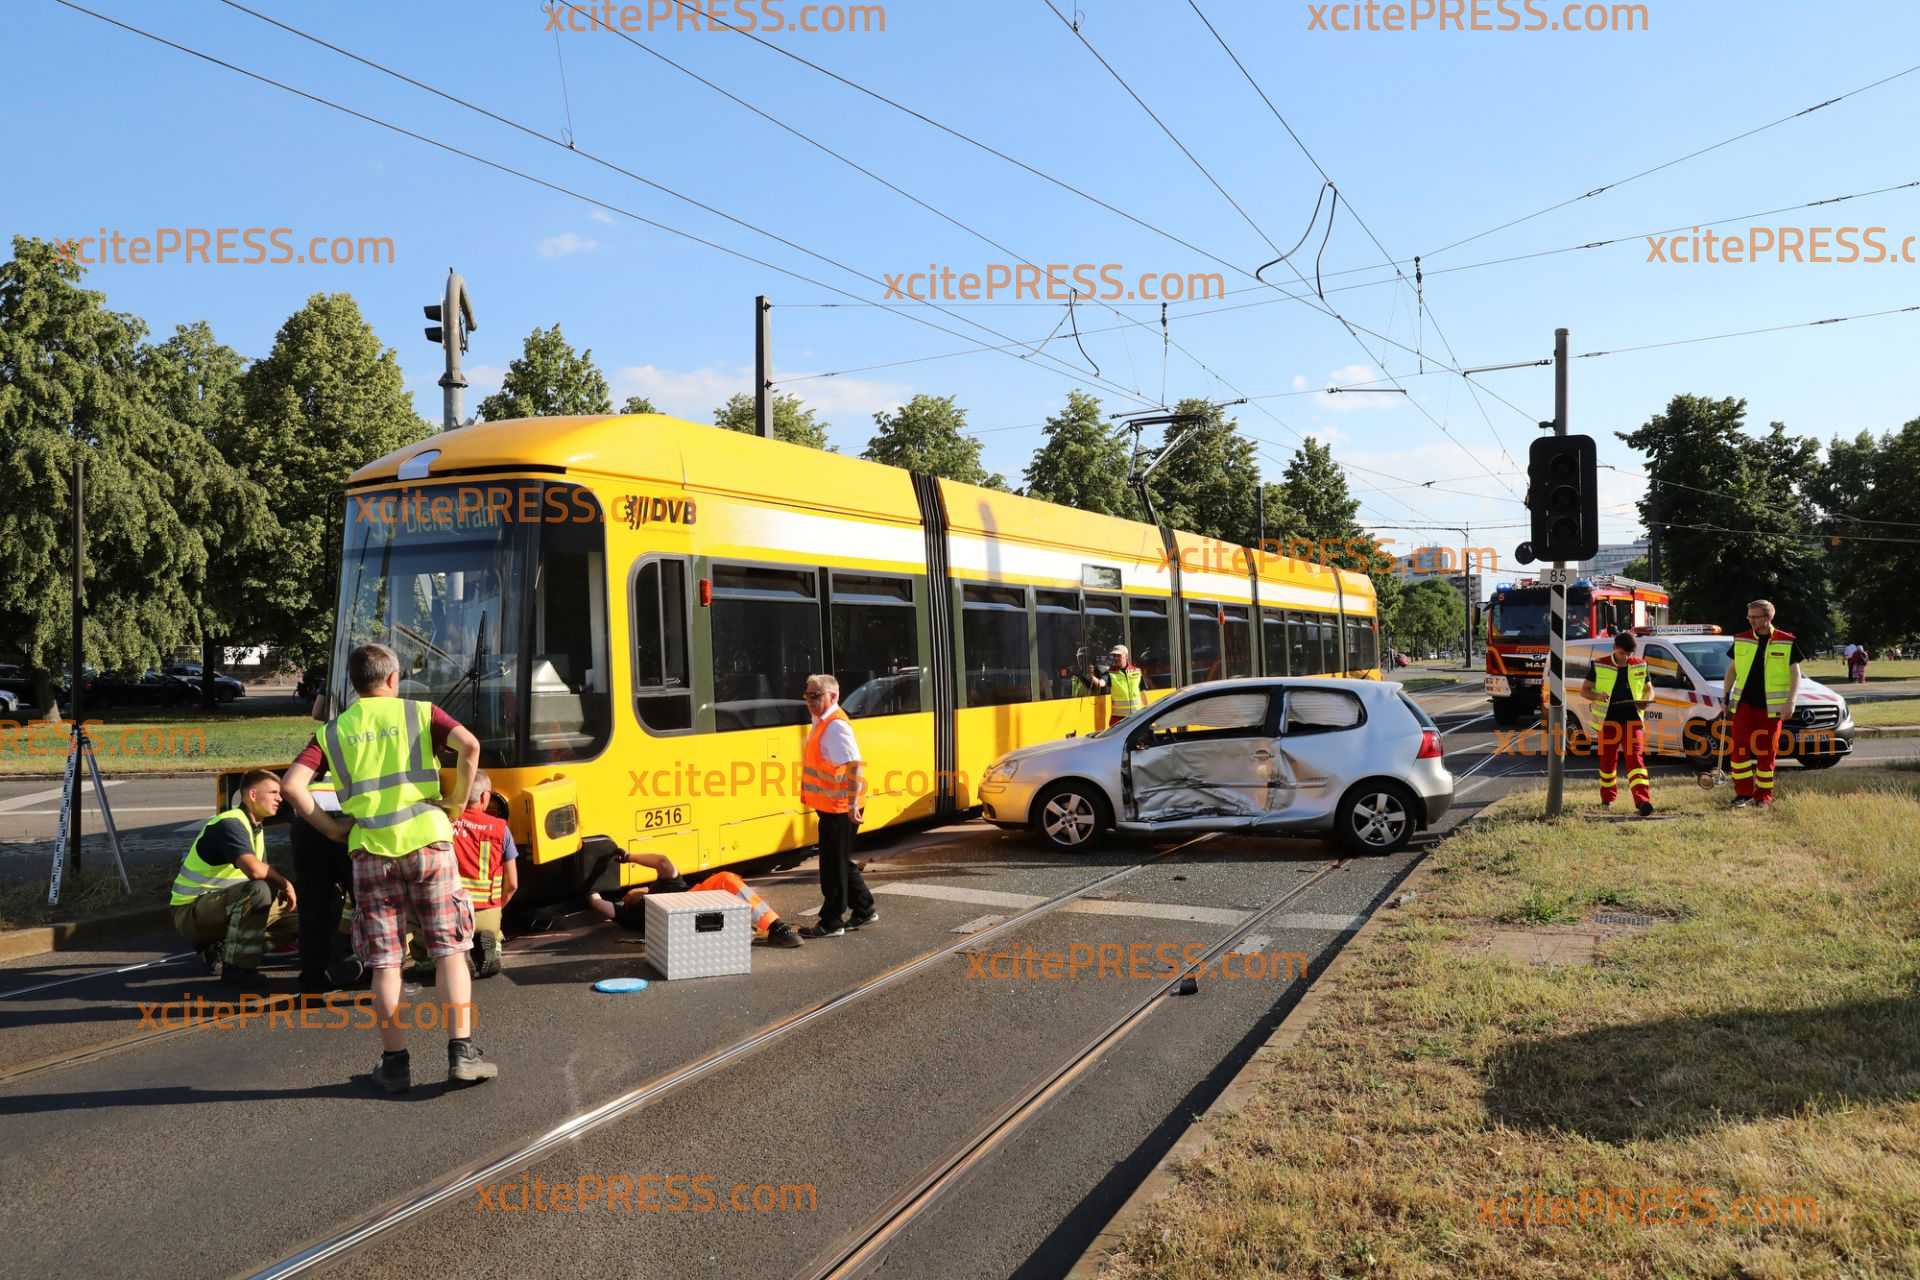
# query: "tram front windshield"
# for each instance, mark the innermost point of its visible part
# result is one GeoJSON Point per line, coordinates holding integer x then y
{"type": "Point", "coordinates": [493, 597]}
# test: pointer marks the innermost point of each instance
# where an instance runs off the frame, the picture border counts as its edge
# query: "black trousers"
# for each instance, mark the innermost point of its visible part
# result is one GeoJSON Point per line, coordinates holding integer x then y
{"type": "Point", "coordinates": [323, 879]}
{"type": "Point", "coordinates": [840, 882]}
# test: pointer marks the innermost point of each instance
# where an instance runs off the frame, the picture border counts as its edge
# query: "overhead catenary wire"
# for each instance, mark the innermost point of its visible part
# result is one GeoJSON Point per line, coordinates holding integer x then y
{"type": "Point", "coordinates": [531, 131]}
{"type": "Point", "coordinates": [1691, 155]}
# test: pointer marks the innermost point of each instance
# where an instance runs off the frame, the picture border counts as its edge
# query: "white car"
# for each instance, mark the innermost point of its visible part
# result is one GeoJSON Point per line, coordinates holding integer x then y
{"type": "Point", "coordinates": [1688, 670]}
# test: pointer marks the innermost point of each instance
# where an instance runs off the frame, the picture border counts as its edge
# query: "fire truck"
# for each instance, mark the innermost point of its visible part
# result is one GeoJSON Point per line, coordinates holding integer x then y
{"type": "Point", "coordinates": [1519, 614]}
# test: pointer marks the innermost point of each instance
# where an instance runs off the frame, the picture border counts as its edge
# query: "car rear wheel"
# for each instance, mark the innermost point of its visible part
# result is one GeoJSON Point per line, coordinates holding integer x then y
{"type": "Point", "coordinates": [1376, 818]}
{"type": "Point", "coordinates": [1071, 816]}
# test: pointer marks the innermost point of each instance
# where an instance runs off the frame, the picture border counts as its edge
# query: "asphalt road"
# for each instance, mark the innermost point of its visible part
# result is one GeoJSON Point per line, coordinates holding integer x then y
{"type": "Point", "coordinates": [262, 1139]}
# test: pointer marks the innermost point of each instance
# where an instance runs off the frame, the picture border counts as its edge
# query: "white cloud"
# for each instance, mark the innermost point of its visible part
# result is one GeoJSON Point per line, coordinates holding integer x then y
{"type": "Point", "coordinates": [601, 215]}
{"type": "Point", "coordinates": [566, 243]}
{"type": "Point", "coordinates": [483, 379]}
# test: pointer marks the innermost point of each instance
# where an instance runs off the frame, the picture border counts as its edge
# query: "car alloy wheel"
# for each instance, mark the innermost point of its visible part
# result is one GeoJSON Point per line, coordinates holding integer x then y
{"type": "Point", "coordinates": [1379, 819]}
{"type": "Point", "coordinates": [1068, 819]}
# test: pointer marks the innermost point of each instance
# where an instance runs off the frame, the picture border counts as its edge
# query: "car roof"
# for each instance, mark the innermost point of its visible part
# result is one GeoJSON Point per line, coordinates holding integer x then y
{"type": "Point", "coordinates": [1365, 688]}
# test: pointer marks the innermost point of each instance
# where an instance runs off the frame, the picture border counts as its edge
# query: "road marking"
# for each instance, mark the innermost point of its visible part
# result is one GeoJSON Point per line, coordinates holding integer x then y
{"type": "Point", "coordinates": [35, 797]}
{"type": "Point", "coordinates": [158, 808]}
{"type": "Point", "coordinates": [1103, 907]}
{"type": "Point", "coordinates": [978, 923]}
{"type": "Point", "coordinates": [104, 973]}
{"type": "Point", "coordinates": [1457, 728]}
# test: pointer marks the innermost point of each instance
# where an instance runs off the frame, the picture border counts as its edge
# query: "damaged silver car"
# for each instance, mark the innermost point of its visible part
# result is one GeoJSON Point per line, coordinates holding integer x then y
{"type": "Point", "coordinates": [1356, 761]}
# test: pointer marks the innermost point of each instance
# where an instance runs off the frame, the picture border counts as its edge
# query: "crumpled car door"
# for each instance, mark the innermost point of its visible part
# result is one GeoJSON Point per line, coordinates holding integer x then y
{"type": "Point", "coordinates": [1208, 759]}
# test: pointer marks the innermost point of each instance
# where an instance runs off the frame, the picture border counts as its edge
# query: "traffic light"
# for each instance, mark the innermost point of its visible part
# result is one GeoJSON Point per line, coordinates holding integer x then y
{"type": "Point", "coordinates": [435, 334]}
{"type": "Point", "coordinates": [1563, 496]}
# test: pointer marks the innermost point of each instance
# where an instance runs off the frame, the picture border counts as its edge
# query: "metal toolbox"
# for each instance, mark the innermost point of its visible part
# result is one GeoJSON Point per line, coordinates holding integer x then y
{"type": "Point", "coordinates": [698, 935]}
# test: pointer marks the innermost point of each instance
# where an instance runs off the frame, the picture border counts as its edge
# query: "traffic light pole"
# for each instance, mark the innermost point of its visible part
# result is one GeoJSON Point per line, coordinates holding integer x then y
{"type": "Point", "coordinates": [453, 321]}
{"type": "Point", "coordinates": [1557, 637]}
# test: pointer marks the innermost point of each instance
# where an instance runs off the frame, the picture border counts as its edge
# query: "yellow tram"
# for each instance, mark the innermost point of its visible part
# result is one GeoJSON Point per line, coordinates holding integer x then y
{"type": "Point", "coordinates": [624, 609]}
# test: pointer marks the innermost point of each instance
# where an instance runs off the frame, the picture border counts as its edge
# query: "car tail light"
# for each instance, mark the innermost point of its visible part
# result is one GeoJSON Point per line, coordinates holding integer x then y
{"type": "Point", "coordinates": [1430, 748]}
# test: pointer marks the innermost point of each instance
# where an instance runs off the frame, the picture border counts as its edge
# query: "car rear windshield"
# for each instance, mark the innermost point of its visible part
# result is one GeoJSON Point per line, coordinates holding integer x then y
{"type": "Point", "coordinates": [1419, 712]}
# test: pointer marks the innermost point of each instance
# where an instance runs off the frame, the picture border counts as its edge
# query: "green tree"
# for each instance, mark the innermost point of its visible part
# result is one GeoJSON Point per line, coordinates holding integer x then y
{"type": "Point", "coordinates": [70, 386]}
{"type": "Point", "coordinates": [326, 400]}
{"type": "Point", "coordinates": [638, 404]}
{"type": "Point", "coordinates": [196, 381]}
{"type": "Point", "coordinates": [1430, 616]}
{"type": "Point", "coordinates": [1316, 488]}
{"type": "Point", "coordinates": [1084, 461]}
{"type": "Point", "coordinates": [1870, 489]}
{"type": "Point", "coordinates": [1640, 569]}
{"type": "Point", "coordinates": [1732, 515]}
{"type": "Point", "coordinates": [925, 435]}
{"type": "Point", "coordinates": [549, 378]}
{"type": "Point", "coordinates": [792, 420]}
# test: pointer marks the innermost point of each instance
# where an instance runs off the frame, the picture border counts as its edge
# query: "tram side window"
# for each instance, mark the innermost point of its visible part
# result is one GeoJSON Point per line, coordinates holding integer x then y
{"type": "Point", "coordinates": [1273, 633]}
{"type": "Point", "coordinates": [571, 710]}
{"type": "Point", "coordinates": [1329, 629]}
{"type": "Point", "coordinates": [1056, 616]}
{"type": "Point", "coordinates": [1104, 627]}
{"type": "Point", "coordinates": [994, 633]}
{"type": "Point", "coordinates": [876, 645]}
{"type": "Point", "coordinates": [1303, 645]}
{"type": "Point", "coordinates": [662, 692]}
{"type": "Point", "coordinates": [766, 642]}
{"type": "Point", "coordinates": [1237, 641]}
{"type": "Point", "coordinates": [1152, 643]}
{"type": "Point", "coordinates": [1203, 642]}
{"type": "Point", "coordinates": [1360, 644]}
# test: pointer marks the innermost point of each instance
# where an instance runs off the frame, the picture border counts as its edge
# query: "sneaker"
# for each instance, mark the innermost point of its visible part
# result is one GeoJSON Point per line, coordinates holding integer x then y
{"type": "Point", "coordinates": [782, 935]}
{"type": "Point", "coordinates": [818, 930]}
{"type": "Point", "coordinates": [212, 955]}
{"type": "Point", "coordinates": [466, 1064]}
{"type": "Point", "coordinates": [1742, 802]}
{"type": "Point", "coordinates": [859, 922]}
{"type": "Point", "coordinates": [394, 1072]}
{"type": "Point", "coordinates": [1645, 808]}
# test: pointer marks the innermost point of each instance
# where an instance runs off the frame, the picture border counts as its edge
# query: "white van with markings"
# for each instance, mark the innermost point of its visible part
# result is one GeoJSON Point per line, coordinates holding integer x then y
{"type": "Point", "coordinates": [1687, 666]}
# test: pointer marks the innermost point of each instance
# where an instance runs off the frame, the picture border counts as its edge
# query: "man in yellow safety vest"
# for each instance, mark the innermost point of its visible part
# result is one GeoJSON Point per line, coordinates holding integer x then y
{"type": "Point", "coordinates": [1122, 685]}
{"type": "Point", "coordinates": [397, 824]}
{"type": "Point", "coordinates": [226, 899]}
{"type": "Point", "coordinates": [1760, 700]}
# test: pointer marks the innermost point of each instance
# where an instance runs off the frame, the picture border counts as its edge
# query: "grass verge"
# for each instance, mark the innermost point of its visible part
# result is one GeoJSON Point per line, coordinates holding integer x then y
{"type": "Point", "coordinates": [1762, 1041]}
{"type": "Point", "coordinates": [158, 743]}
{"type": "Point", "coordinates": [1898, 711]}
{"type": "Point", "coordinates": [24, 905]}
{"type": "Point", "coordinates": [1834, 671]}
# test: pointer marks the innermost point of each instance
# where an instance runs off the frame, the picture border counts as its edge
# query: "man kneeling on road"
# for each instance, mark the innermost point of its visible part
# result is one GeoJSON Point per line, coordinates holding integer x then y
{"type": "Point", "coordinates": [382, 754]}
{"type": "Point", "coordinates": [226, 899]}
{"type": "Point", "coordinates": [631, 911]}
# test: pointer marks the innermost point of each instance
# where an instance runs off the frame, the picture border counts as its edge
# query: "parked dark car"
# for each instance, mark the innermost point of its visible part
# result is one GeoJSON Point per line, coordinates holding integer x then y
{"type": "Point", "coordinates": [225, 687]}
{"type": "Point", "coordinates": [149, 690]}
{"type": "Point", "coordinates": [16, 681]}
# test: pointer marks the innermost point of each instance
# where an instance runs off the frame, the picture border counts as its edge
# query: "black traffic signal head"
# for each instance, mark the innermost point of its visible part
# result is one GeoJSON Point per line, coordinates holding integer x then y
{"type": "Point", "coordinates": [435, 334]}
{"type": "Point", "coordinates": [1563, 496]}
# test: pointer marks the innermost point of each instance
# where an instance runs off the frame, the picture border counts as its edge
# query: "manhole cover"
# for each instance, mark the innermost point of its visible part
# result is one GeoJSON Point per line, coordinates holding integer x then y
{"type": "Point", "coordinates": [1624, 917]}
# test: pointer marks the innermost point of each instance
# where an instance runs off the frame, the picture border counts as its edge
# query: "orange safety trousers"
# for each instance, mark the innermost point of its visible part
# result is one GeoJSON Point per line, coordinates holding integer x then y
{"type": "Point", "coordinates": [764, 916]}
{"type": "Point", "coordinates": [1629, 739]}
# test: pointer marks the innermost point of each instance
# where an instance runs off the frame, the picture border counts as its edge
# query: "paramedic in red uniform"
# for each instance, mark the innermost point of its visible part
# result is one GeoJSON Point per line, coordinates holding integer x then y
{"type": "Point", "coordinates": [1620, 681]}
{"type": "Point", "coordinates": [1762, 681]}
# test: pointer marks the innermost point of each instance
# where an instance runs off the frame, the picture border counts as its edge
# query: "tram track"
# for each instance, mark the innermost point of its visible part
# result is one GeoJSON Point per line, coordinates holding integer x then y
{"type": "Point", "coordinates": [867, 1244]}
{"type": "Point", "coordinates": [444, 1189]}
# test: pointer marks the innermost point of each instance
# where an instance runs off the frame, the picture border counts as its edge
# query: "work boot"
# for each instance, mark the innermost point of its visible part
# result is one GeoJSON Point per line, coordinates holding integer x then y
{"type": "Point", "coordinates": [781, 934]}
{"type": "Point", "coordinates": [212, 955]}
{"type": "Point", "coordinates": [394, 1073]}
{"type": "Point", "coordinates": [484, 960]}
{"type": "Point", "coordinates": [347, 972]}
{"type": "Point", "coordinates": [1742, 802]}
{"type": "Point", "coordinates": [1646, 808]}
{"type": "Point", "coordinates": [466, 1065]}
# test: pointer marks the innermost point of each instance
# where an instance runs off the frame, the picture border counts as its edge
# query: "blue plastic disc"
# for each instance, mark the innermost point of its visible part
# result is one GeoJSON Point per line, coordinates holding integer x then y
{"type": "Point", "coordinates": [620, 986]}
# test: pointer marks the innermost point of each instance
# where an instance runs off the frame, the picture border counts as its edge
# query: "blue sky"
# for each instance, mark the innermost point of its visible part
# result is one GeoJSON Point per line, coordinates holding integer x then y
{"type": "Point", "coordinates": [1431, 136]}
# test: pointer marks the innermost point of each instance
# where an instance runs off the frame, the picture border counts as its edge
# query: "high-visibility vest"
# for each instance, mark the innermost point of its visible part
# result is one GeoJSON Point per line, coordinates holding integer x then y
{"type": "Point", "coordinates": [1778, 664]}
{"type": "Point", "coordinates": [380, 751]}
{"type": "Point", "coordinates": [1605, 673]}
{"type": "Point", "coordinates": [480, 845]}
{"type": "Point", "coordinates": [824, 786]}
{"type": "Point", "coordinates": [198, 876]}
{"type": "Point", "coordinates": [1123, 688]}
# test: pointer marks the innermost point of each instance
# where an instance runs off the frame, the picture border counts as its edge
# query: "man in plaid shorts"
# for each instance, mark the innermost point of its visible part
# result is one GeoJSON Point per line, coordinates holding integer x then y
{"type": "Point", "coordinates": [382, 752]}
